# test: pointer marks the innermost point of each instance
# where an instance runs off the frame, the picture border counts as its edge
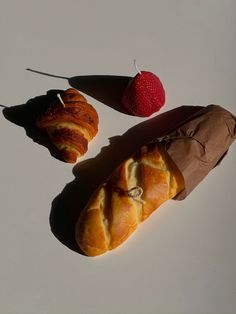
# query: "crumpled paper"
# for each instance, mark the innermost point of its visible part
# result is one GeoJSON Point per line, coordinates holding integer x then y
{"type": "Point", "coordinates": [200, 143]}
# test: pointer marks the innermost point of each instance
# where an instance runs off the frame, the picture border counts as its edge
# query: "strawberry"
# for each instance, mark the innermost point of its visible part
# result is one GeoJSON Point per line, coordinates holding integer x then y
{"type": "Point", "coordinates": [144, 95]}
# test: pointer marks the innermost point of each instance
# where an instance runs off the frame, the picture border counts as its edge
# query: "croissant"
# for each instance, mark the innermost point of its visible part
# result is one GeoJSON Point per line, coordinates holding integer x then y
{"type": "Point", "coordinates": [134, 190]}
{"type": "Point", "coordinates": [71, 122]}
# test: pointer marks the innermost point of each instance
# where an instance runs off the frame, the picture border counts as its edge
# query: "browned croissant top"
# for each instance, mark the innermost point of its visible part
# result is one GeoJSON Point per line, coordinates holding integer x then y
{"type": "Point", "coordinates": [70, 123]}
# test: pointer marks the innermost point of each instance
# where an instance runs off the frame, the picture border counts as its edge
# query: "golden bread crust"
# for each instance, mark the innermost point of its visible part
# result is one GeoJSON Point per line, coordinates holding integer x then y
{"type": "Point", "coordinates": [135, 189]}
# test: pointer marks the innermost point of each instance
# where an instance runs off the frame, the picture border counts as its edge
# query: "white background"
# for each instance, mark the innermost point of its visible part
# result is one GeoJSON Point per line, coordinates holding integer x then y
{"type": "Point", "coordinates": [182, 259]}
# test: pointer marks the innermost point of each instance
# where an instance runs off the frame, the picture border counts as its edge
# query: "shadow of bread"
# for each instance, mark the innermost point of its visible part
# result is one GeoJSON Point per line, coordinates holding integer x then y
{"type": "Point", "coordinates": [65, 210]}
{"type": "Point", "coordinates": [26, 114]}
{"type": "Point", "coordinates": [122, 147]}
{"type": "Point", "coordinates": [89, 174]}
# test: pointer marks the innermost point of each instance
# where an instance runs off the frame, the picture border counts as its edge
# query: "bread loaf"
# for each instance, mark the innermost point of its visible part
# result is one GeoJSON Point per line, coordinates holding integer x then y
{"type": "Point", "coordinates": [70, 123]}
{"type": "Point", "coordinates": [135, 189]}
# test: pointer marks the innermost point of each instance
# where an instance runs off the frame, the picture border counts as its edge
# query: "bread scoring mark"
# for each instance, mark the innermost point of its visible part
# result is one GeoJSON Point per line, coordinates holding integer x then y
{"type": "Point", "coordinates": [90, 230]}
{"type": "Point", "coordinates": [133, 188]}
{"type": "Point", "coordinates": [104, 217]}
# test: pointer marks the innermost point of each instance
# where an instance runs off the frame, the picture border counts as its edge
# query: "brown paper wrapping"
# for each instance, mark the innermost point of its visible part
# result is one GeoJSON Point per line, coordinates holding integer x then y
{"type": "Point", "coordinates": [200, 143]}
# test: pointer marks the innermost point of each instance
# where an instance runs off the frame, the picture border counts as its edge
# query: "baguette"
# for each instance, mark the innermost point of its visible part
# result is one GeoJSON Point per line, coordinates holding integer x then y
{"type": "Point", "coordinates": [135, 189]}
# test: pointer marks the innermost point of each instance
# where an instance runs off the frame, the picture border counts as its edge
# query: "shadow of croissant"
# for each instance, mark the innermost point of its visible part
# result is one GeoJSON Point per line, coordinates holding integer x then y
{"type": "Point", "coordinates": [25, 116]}
{"type": "Point", "coordinates": [89, 174]}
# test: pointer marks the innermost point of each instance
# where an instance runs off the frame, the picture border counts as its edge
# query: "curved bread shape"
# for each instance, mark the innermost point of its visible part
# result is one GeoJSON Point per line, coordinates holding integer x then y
{"type": "Point", "coordinates": [70, 126]}
{"type": "Point", "coordinates": [138, 187]}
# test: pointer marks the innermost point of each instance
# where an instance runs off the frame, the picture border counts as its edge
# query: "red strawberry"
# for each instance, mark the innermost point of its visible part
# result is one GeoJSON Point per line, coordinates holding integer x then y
{"type": "Point", "coordinates": [144, 95]}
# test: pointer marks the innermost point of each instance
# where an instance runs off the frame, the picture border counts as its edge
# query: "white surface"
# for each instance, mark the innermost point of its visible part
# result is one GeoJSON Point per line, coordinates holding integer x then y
{"type": "Point", "coordinates": [182, 259]}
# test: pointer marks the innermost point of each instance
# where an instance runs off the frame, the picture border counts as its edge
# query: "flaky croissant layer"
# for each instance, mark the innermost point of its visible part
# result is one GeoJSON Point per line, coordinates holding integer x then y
{"type": "Point", "coordinates": [135, 189]}
{"type": "Point", "coordinates": [71, 123]}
